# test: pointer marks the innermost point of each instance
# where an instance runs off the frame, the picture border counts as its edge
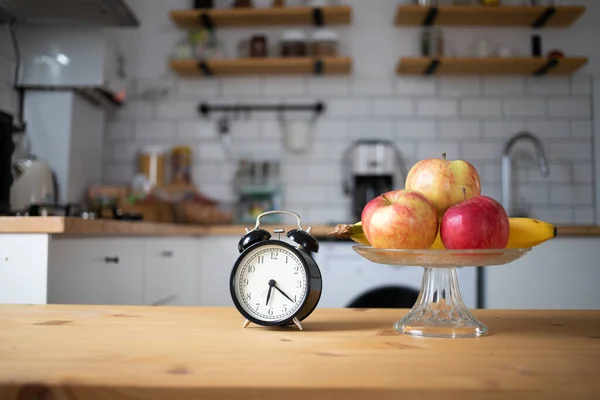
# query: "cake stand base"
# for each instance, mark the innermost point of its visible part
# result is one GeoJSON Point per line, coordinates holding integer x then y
{"type": "Point", "coordinates": [439, 310]}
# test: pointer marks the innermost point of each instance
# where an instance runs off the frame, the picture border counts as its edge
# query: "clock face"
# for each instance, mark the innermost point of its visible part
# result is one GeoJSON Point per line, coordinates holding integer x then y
{"type": "Point", "coordinates": [270, 282]}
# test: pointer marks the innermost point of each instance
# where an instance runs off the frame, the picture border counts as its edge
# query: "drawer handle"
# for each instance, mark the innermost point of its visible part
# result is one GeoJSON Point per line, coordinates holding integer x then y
{"type": "Point", "coordinates": [166, 253]}
{"type": "Point", "coordinates": [114, 260]}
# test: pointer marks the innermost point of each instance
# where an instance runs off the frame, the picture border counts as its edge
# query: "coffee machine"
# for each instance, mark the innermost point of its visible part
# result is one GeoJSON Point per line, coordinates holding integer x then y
{"type": "Point", "coordinates": [371, 167]}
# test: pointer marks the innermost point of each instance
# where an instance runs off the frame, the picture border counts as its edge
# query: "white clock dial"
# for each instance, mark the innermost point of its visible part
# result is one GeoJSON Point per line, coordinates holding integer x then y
{"type": "Point", "coordinates": [270, 283]}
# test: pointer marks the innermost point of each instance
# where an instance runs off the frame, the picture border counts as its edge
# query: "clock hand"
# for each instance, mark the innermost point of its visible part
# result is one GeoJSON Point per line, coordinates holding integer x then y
{"type": "Point", "coordinates": [281, 291]}
{"type": "Point", "coordinates": [271, 284]}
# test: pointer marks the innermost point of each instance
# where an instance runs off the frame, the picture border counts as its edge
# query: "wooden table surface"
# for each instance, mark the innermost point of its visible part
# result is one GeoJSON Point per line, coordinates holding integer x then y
{"type": "Point", "coordinates": [112, 352]}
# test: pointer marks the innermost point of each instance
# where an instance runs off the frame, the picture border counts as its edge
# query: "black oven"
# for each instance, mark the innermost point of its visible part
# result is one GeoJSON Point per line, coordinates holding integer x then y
{"type": "Point", "coordinates": [6, 150]}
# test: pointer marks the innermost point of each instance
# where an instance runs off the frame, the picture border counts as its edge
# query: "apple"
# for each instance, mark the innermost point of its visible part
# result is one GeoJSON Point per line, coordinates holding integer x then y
{"type": "Point", "coordinates": [477, 223]}
{"type": "Point", "coordinates": [442, 181]}
{"type": "Point", "coordinates": [400, 219]}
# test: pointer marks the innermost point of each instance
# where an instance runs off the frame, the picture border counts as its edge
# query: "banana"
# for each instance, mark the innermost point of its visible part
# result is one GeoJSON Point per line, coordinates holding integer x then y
{"type": "Point", "coordinates": [524, 232]}
{"type": "Point", "coordinates": [437, 244]}
{"type": "Point", "coordinates": [354, 232]}
{"type": "Point", "coordinates": [529, 232]}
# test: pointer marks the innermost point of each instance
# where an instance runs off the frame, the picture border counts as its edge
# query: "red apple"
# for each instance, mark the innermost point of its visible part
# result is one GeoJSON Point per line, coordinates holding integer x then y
{"type": "Point", "coordinates": [477, 223]}
{"type": "Point", "coordinates": [442, 181]}
{"type": "Point", "coordinates": [400, 219]}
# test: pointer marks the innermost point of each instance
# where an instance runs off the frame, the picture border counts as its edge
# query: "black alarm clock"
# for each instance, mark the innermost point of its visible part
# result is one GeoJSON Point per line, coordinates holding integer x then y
{"type": "Point", "coordinates": [273, 282]}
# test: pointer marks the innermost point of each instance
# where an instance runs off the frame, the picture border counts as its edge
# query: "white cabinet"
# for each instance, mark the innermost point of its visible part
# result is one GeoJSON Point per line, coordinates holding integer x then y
{"type": "Point", "coordinates": [96, 271]}
{"type": "Point", "coordinates": [216, 256]}
{"type": "Point", "coordinates": [23, 271]}
{"type": "Point", "coordinates": [171, 271]}
{"type": "Point", "coordinates": [560, 274]}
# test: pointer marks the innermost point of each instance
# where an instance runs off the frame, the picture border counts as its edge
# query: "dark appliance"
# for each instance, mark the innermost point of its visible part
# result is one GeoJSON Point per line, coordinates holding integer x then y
{"type": "Point", "coordinates": [370, 167]}
{"type": "Point", "coordinates": [7, 148]}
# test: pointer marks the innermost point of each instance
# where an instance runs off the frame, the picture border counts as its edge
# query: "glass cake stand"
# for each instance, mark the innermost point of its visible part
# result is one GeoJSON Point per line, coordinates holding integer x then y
{"type": "Point", "coordinates": [439, 310]}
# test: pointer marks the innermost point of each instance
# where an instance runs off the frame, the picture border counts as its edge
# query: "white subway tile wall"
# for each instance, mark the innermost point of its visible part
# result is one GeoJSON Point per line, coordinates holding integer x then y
{"type": "Point", "coordinates": [469, 119]}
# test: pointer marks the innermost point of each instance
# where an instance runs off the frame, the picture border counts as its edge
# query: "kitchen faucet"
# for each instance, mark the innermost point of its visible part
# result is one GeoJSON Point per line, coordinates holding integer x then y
{"type": "Point", "coordinates": [507, 165]}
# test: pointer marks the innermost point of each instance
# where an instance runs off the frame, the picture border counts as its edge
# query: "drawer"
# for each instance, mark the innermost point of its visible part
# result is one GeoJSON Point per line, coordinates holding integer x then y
{"type": "Point", "coordinates": [171, 272]}
{"type": "Point", "coordinates": [96, 271]}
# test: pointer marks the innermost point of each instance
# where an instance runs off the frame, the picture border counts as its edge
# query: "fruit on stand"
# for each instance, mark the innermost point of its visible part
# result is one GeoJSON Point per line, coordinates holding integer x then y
{"type": "Point", "coordinates": [442, 208]}
{"type": "Point", "coordinates": [524, 232]}
{"type": "Point", "coordinates": [442, 181]}
{"type": "Point", "coordinates": [400, 219]}
{"type": "Point", "coordinates": [529, 232]}
{"type": "Point", "coordinates": [477, 223]}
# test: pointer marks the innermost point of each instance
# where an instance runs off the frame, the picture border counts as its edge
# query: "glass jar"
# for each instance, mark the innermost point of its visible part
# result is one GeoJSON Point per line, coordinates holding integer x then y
{"type": "Point", "coordinates": [151, 163]}
{"type": "Point", "coordinates": [181, 165]}
{"type": "Point", "coordinates": [324, 43]}
{"type": "Point", "coordinates": [293, 44]}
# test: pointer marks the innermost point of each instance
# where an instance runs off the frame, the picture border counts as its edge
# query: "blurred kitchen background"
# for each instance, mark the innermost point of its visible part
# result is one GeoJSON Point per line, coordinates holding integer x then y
{"type": "Point", "coordinates": [135, 110]}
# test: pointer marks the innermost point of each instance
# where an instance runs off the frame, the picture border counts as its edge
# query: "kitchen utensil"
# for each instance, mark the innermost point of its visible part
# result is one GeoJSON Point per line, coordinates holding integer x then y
{"type": "Point", "coordinates": [258, 46]}
{"type": "Point", "coordinates": [505, 52]}
{"type": "Point", "coordinates": [287, 273]}
{"type": "Point", "coordinates": [34, 183]}
{"type": "Point", "coordinates": [293, 44]}
{"type": "Point", "coordinates": [224, 132]}
{"type": "Point", "coordinates": [440, 311]}
{"type": "Point", "coordinates": [151, 164]}
{"type": "Point", "coordinates": [324, 43]}
{"type": "Point", "coordinates": [258, 188]}
{"type": "Point", "coordinates": [432, 42]}
{"type": "Point", "coordinates": [181, 165]}
{"type": "Point", "coordinates": [297, 134]}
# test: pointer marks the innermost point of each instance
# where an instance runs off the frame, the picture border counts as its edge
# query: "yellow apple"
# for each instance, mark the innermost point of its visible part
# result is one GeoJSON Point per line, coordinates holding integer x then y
{"type": "Point", "coordinates": [400, 219]}
{"type": "Point", "coordinates": [442, 181]}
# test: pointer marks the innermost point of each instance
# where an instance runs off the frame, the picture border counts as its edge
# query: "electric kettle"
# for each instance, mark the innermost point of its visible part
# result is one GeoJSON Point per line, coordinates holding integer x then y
{"type": "Point", "coordinates": [34, 183]}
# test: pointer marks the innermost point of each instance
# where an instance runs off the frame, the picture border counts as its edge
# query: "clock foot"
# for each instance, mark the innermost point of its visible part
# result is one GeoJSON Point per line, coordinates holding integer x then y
{"type": "Point", "coordinates": [246, 323]}
{"type": "Point", "coordinates": [297, 323]}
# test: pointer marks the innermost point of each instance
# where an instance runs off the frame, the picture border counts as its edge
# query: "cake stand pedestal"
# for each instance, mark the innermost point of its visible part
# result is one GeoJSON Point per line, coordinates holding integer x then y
{"type": "Point", "coordinates": [439, 310]}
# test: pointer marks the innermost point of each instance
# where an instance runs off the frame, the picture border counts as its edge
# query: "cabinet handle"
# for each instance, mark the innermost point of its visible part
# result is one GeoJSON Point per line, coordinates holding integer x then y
{"type": "Point", "coordinates": [109, 260]}
{"type": "Point", "coordinates": [166, 253]}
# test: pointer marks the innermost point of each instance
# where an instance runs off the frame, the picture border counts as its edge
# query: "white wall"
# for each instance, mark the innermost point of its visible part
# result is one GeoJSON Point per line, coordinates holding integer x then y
{"type": "Point", "coordinates": [469, 118]}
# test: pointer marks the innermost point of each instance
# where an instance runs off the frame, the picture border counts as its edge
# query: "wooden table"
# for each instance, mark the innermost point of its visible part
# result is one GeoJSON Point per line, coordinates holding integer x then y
{"type": "Point", "coordinates": [96, 352]}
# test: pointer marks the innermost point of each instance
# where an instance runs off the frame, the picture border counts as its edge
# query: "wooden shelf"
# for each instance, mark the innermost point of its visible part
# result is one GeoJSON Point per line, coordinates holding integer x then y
{"type": "Point", "coordinates": [488, 66]}
{"type": "Point", "coordinates": [234, 17]}
{"type": "Point", "coordinates": [263, 66]}
{"type": "Point", "coordinates": [501, 16]}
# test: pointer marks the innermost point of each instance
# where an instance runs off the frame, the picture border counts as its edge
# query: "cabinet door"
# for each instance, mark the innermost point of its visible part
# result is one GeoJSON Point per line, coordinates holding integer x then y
{"type": "Point", "coordinates": [216, 256]}
{"type": "Point", "coordinates": [23, 268]}
{"type": "Point", "coordinates": [560, 274]}
{"type": "Point", "coordinates": [96, 271]}
{"type": "Point", "coordinates": [171, 271]}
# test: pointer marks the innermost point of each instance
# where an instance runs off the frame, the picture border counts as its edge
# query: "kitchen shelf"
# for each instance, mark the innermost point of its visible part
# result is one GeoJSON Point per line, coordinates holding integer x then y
{"type": "Point", "coordinates": [264, 66]}
{"type": "Point", "coordinates": [499, 16]}
{"type": "Point", "coordinates": [489, 66]}
{"type": "Point", "coordinates": [237, 17]}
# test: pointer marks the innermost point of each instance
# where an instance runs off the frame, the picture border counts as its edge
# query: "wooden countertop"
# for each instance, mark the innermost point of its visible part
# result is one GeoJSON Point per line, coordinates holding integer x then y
{"type": "Point", "coordinates": [106, 227]}
{"type": "Point", "coordinates": [114, 352]}
{"type": "Point", "coordinates": [103, 227]}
